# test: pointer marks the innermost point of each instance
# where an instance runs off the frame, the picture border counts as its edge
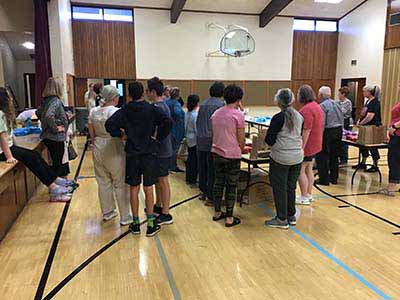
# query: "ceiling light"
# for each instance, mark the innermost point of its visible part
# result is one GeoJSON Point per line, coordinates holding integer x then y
{"type": "Point", "coordinates": [29, 45]}
{"type": "Point", "coordinates": [328, 1]}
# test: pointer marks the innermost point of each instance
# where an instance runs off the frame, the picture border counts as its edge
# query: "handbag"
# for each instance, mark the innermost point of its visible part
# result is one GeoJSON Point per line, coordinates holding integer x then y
{"type": "Point", "coordinates": [71, 151]}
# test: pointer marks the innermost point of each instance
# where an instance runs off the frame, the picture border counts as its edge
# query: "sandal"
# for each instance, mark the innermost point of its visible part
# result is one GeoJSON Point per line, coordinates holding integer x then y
{"type": "Point", "coordinates": [221, 216]}
{"type": "Point", "coordinates": [386, 192]}
{"type": "Point", "coordinates": [236, 221]}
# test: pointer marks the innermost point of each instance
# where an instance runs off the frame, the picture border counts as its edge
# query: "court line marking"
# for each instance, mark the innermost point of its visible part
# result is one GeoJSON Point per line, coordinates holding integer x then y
{"type": "Point", "coordinates": [358, 207]}
{"type": "Point", "coordinates": [53, 249]}
{"type": "Point", "coordinates": [89, 260]}
{"type": "Point", "coordinates": [332, 257]}
{"type": "Point", "coordinates": [167, 269]}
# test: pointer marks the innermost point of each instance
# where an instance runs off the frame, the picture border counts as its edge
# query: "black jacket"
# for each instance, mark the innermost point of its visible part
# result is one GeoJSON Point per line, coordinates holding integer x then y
{"type": "Point", "coordinates": [144, 124]}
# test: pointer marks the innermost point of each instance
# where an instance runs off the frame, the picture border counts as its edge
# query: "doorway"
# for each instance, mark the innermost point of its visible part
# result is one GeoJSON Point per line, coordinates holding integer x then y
{"type": "Point", "coordinates": [29, 83]}
{"type": "Point", "coordinates": [356, 96]}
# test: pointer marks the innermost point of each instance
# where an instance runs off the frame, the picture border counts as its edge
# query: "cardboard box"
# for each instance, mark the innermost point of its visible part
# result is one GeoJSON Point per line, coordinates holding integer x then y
{"type": "Point", "coordinates": [258, 192]}
{"type": "Point", "coordinates": [371, 135]}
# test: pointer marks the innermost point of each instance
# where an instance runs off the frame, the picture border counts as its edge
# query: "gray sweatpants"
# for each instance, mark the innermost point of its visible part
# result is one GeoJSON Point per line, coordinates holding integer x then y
{"type": "Point", "coordinates": [109, 167]}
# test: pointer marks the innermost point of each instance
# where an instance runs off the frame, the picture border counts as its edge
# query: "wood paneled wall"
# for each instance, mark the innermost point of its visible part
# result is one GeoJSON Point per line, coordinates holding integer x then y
{"type": "Point", "coordinates": [104, 49]}
{"type": "Point", "coordinates": [314, 59]}
{"type": "Point", "coordinates": [256, 93]}
{"type": "Point", "coordinates": [392, 39]}
{"type": "Point", "coordinates": [390, 82]}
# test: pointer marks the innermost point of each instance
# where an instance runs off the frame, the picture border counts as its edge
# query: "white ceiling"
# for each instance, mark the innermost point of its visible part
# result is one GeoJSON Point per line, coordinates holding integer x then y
{"type": "Point", "coordinates": [15, 41]}
{"type": "Point", "coordinates": [306, 8]}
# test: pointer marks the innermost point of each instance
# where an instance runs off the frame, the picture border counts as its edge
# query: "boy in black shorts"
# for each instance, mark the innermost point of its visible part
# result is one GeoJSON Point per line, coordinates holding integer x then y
{"type": "Point", "coordinates": [138, 122]}
{"type": "Point", "coordinates": [155, 88]}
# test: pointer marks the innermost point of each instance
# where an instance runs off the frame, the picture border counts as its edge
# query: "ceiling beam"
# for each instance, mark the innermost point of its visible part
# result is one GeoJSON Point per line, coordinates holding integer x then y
{"type": "Point", "coordinates": [272, 10]}
{"type": "Point", "coordinates": [176, 9]}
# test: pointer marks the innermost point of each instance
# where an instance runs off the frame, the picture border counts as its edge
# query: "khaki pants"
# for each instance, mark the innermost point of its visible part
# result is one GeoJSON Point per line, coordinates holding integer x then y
{"type": "Point", "coordinates": [109, 167]}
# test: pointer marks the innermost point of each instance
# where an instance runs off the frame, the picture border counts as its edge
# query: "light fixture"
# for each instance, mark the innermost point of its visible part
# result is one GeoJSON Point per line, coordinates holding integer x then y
{"type": "Point", "coordinates": [328, 1]}
{"type": "Point", "coordinates": [29, 45]}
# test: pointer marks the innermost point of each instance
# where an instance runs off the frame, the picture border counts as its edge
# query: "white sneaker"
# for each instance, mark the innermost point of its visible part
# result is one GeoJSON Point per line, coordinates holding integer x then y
{"type": "Point", "coordinates": [310, 197]}
{"type": "Point", "coordinates": [126, 221]}
{"type": "Point", "coordinates": [300, 200]}
{"type": "Point", "coordinates": [110, 215]}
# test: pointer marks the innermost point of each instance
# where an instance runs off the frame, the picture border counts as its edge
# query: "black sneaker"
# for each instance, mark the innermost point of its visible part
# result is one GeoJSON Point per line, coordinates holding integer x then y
{"type": "Point", "coordinates": [134, 228]}
{"type": "Point", "coordinates": [156, 210]}
{"type": "Point", "coordinates": [164, 219]}
{"type": "Point", "coordinates": [152, 231]}
{"type": "Point", "coordinates": [360, 166]}
{"type": "Point", "coordinates": [319, 182]}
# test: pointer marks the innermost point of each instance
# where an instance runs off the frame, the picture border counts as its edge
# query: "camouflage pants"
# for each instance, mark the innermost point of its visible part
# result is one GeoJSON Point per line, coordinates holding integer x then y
{"type": "Point", "coordinates": [226, 176]}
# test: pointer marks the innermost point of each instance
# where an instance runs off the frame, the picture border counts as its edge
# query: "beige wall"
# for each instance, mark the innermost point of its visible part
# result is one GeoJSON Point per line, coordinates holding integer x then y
{"type": "Point", "coordinates": [61, 39]}
{"type": "Point", "coordinates": [390, 82]}
{"type": "Point", "coordinates": [361, 38]}
{"type": "Point", "coordinates": [177, 51]}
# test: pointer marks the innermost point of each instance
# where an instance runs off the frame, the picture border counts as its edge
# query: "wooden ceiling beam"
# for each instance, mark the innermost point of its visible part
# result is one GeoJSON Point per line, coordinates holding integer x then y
{"type": "Point", "coordinates": [176, 9]}
{"type": "Point", "coordinates": [272, 10]}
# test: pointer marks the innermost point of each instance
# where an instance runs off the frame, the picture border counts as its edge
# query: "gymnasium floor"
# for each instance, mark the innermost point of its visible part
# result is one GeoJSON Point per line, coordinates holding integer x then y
{"type": "Point", "coordinates": [340, 249]}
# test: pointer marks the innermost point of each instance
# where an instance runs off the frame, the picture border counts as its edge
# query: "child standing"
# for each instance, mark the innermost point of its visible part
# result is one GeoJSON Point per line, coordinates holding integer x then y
{"type": "Point", "coordinates": [138, 122]}
{"type": "Point", "coordinates": [155, 89]}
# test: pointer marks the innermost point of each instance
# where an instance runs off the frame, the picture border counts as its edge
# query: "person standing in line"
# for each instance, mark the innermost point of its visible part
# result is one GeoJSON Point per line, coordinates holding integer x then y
{"type": "Point", "coordinates": [328, 158]}
{"type": "Point", "coordinates": [394, 152]}
{"type": "Point", "coordinates": [163, 190]}
{"type": "Point", "coordinates": [54, 122]}
{"type": "Point", "coordinates": [228, 141]}
{"type": "Point", "coordinates": [191, 139]}
{"type": "Point", "coordinates": [88, 96]}
{"type": "Point", "coordinates": [90, 102]}
{"type": "Point", "coordinates": [60, 189]}
{"type": "Point", "coordinates": [178, 127]}
{"type": "Point", "coordinates": [109, 160]}
{"type": "Point", "coordinates": [167, 93]}
{"type": "Point", "coordinates": [284, 137]}
{"type": "Point", "coordinates": [144, 126]}
{"type": "Point", "coordinates": [370, 115]}
{"type": "Point", "coordinates": [204, 141]}
{"type": "Point", "coordinates": [313, 130]}
{"type": "Point", "coordinates": [97, 89]}
{"type": "Point", "coordinates": [347, 108]}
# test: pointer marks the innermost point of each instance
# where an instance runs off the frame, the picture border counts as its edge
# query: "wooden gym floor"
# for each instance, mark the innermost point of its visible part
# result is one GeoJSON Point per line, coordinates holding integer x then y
{"type": "Point", "coordinates": [344, 248]}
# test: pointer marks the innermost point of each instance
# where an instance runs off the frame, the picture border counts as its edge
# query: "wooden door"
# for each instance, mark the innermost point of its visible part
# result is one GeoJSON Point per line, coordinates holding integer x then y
{"type": "Point", "coordinates": [81, 87]}
{"type": "Point", "coordinates": [70, 89]}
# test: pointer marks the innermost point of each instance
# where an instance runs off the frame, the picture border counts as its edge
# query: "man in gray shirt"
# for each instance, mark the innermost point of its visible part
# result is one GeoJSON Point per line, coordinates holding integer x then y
{"type": "Point", "coordinates": [204, 141]}
{"type": "Point", "coordinates": [328, 158]}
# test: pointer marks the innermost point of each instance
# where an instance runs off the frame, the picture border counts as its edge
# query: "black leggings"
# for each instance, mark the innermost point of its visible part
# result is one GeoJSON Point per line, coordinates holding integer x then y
{"type": "Point", "coordinates": [34, 162]}
{"type": "Point", "coordinates": [56, 150]}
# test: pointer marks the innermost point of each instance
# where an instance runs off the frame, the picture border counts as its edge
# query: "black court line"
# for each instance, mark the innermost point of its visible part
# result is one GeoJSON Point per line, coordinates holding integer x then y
{"type": "Point", "coordinates": [344, 206]}
{"type": "Point", "coordinates": [357, 194]}
{"type": "Point", "coordinates": [56, 239]}
{"type": "Point", "coordinates": [358, 207]}
{"type": "Point", "coordinates": [396, 233]}
{"type": "Point", "coordinates": [83, 265]}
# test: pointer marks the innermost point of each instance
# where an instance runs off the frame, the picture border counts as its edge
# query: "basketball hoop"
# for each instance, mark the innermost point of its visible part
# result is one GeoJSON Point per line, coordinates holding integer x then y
{"type": "Point", "coordinates": [236, 42]}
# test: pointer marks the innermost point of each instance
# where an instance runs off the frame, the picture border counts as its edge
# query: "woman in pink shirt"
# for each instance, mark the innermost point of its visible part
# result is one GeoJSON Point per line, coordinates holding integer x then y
{"type": "Point", "coordinates": [313, 130]}
{"type": "Point", "coordinates": [228, 139]}
{"type": "Point", "coordinates": [394, 152]}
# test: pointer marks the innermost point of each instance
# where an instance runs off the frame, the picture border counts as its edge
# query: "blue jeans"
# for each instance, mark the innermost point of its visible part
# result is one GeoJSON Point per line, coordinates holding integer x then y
{"type": "Point", "coordinates": [394, 159]}
{"type": "Point", "coordinates": [175, 148]}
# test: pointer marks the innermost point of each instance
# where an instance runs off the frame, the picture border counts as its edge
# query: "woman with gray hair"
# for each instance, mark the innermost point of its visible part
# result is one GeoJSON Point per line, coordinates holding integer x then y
{"type": "Point", "coordinates": [370, 115]}
{"type": "Point", "coordinates": [109, 160]}
{"type": "Point", "coordinates": [284, 137]}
